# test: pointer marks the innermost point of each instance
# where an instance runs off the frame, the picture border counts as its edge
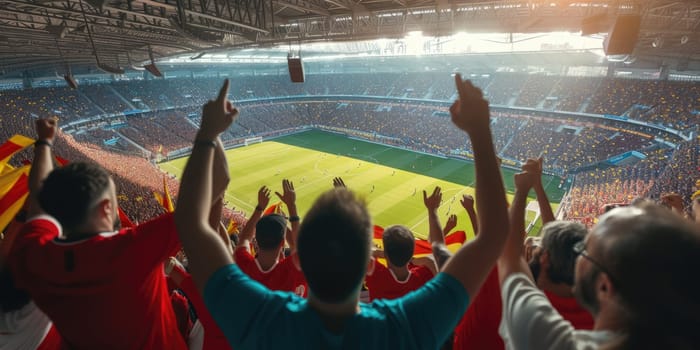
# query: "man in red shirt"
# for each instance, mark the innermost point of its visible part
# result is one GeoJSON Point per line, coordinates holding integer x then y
{"type": "Point", "coordinates": [398, 277]}
{"type": "Point", "coordinates": [269, 266]}
{"type": "Point", "coordinates": [102, 287]}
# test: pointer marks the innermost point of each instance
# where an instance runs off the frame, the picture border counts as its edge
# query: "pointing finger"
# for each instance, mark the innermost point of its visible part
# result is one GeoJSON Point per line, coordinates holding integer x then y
{"type": "Point", "coordinates": [223, 92]}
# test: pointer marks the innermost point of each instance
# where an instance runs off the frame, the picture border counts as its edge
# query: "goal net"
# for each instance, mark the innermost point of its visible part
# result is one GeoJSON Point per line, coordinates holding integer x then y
{"type": "Point", "coordinates": [252, 140]}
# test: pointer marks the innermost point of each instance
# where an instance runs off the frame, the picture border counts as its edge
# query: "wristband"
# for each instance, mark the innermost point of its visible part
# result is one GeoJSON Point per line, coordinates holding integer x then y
{"type": "Point", "coordinates": [206, 143]}
{"type": "Point", "coordinates": [257, 208]}
{"type": "Point", "coordinates": [294, 218]}
{"type": "Point", "coordinates": [42, 142]}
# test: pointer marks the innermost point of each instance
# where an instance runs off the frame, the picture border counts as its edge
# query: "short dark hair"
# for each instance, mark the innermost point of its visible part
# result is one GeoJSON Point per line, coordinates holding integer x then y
{"type": "Point", "coordinates": [558, 240]}
{"type": "Point", "coordinates": [399, 245]}
{"type": "Point", "coordinates": [270, 230]}
{"type": "Point", "coordinates": [334, 245]}
{"type": "Point", "coordinates": [69, 191]}
{"type": "Point", "coordinates": [650, 249]}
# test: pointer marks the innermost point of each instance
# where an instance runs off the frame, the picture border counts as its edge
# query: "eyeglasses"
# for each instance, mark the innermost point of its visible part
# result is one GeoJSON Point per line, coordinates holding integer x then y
{"type": "Point", "coordinates": [580, 249]}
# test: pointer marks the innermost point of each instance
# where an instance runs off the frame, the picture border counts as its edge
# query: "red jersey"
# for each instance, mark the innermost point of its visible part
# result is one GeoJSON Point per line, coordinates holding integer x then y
{"type": "Point", "coordinates": [382, 283]}
{"type": "Point", "coordinates": [478, 329]}
{"type": "Point", "coordinates": [104, 292]}
{"type": "Point", "coordinates": [214, 338]}
{"type": "Point", "coordinates": [283, 275]}
{"type": "Point", "coordinates": [571, 311]}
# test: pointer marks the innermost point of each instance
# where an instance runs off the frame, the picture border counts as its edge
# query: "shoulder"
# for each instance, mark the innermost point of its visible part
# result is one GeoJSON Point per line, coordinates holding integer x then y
{"type": "Point", "coordinates": [41, 226]}
{"type": "Point", "coordinates": [161, 223]}
{"type": "Point", "coordinates": [422, 273]}
{"type": "Point", "coordinates": [379, 269]}
{"type": "Point", "coordinates": [241, 254]}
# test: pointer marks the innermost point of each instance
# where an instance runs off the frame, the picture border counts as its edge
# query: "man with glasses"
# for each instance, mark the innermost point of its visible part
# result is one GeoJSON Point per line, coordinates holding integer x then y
{"type": "Point", "coordinates": [555, 261]}
{"type": "Point", "coordinates": [634, 274]}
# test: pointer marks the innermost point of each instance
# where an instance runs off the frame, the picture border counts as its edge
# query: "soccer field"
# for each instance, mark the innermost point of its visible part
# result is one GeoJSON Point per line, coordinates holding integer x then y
{"type": "Point", "coordinates": [390, 179]}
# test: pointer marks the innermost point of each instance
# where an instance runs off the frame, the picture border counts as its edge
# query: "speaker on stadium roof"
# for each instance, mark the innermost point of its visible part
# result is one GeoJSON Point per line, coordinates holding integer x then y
{"type": "Point", "coordinates": [622, 38]}
{"type": "Point", "coordinates": [296, 69]}
{"type": "Point", "coordinates": [151, 68]}
{"type": "Point", "coordinates": [71, 81]}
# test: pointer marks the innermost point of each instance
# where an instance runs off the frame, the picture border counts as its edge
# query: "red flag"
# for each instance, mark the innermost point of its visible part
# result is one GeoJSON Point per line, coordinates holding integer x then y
{"type": "Point", "coordinates": [61, 161]}
{"type": "Point", "coordinates": [165, 200]}
{"type": "Point", "coordinates": [453, 241]}
{"type": "Point", "coordinates": [13, 200]}
{"type": "Point", "coordinates": [378, 231]}
{"type": "Point", "coordinates": [126, 222]}
{"type": "Point", "coordinates": [274, 209]}
{"type": "Point", "coordinates": [13, 145]}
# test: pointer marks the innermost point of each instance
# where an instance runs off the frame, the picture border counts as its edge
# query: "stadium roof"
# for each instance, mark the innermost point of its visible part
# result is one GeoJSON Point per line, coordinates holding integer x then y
{"type": "Point", "coordinates": [52, 35]}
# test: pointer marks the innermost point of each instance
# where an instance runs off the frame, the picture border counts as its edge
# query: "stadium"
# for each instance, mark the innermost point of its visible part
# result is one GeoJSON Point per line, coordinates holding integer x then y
{"type": "Point", "coordinates": [606, 93]}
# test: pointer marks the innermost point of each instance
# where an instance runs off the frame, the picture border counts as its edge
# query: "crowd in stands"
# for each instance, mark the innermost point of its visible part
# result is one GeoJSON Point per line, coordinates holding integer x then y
{"type": "Point", "coordinates": [680, 172]}
{"type": "Point", "coordinates": [104, 96]}
{"type": "Point", "coordinates": [77, 279]}
{"type": "Point", "coordinates": [667, 103]}
{"type": "Point", "coordinates": [536, 88]}
{"type": "Point", "coordinates": [170, 111]}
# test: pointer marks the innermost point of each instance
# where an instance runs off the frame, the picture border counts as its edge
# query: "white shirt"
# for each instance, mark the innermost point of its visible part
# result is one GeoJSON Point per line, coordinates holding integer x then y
{"type": "Point", "coordinates": [23, 329]}
{"type": "Point", "coordinates": [530, 322]}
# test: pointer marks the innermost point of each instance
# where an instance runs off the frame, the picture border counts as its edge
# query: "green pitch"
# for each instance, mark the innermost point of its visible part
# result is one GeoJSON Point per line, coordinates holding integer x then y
{"type": "Point", "coordinates": [390, 179]}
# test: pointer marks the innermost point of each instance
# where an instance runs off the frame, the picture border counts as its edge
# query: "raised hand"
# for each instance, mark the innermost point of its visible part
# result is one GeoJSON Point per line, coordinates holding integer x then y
{"type": "Point", "coordinates": [471, 111]}
{"type": "Point", "coordinates": [433, 201]}
{"type": "Point", "coordinates": [450, 224]}
{"type": "Point", "coordinates": [263, 197]}
{"type": "Point", "coordinates": [338, 182]}
{"type": "Point", "coordinates": [673, 201]}
{"type": "Point", "coordinates": [524, 181]}
{"type": "Point", "coordinates": [46, 128]}
{"type": "Point", "coordinates": [533, 166]}
{"type": "Point", "coordinates": [467, 202]}
{"type": "Point", "coordinates": [217, 115]}
{"type": "Point", "coordinates": [288, 196]}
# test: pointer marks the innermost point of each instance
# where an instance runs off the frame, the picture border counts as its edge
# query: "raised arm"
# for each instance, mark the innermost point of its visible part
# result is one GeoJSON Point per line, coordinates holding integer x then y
{"type": "Point", "coordinates": [473, 262]}
{"type": "Point", "coordinates": [43, 162]}
{"type": "Point", "coordinates": [534, 166]}
{"type": "Point", "coordinates": [220, 180]}
{"type": "Point", "coordinates": [449, 225]}
{"type": "Point", "coordinates": [289, 198]}
{"type": "Point", "coordinates": [248, 232]}
{"type": "Point", "coordinates": [512, 260]}
{"type": "Point", "coordinates": [205, 250]}
{"type": "Point", "coordinates": [435, 234]}
{"type": "Point", "coordinates": [468, 205]}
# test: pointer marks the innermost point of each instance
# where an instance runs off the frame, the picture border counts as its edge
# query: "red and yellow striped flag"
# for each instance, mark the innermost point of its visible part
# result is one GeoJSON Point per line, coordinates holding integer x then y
{"type": "Point", "coordinates": [15, 144]}
{"type": "Point", "coordinates": [164, 199]}
{"type": "Point", "coordinates": [13, 198]}
{"type": "Point", "coordinates": [453, 241]}
{"type": "Point", "coordinates": [274, 209]}
{"type": "Point", "coordinates": [232, 227]}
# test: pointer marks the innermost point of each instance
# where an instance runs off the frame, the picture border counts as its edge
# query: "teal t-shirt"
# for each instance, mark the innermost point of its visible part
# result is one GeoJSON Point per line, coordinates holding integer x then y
{"type": "Point", "coordinates": [253, 317]}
